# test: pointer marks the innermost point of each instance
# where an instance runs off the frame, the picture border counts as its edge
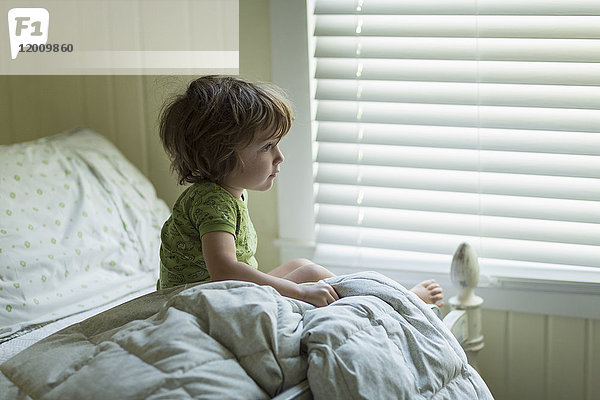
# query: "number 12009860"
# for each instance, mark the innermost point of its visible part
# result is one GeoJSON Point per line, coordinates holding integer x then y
{"type": "Point", "coordinates": [46, 48]}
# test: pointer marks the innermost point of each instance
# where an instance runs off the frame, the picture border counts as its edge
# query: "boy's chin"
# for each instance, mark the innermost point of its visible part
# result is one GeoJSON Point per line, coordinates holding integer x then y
{"type": "Point", "coordinates": [264, 187]}
{"type": "Point", "coordinates": [269, 186]}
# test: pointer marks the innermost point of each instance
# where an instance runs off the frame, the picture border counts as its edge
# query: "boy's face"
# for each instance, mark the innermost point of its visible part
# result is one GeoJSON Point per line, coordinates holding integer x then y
{"type": "Point", "coordinates": [260, 165]}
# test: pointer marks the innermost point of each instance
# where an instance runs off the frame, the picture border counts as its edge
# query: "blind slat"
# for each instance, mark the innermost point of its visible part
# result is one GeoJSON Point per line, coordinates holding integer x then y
{"type": "Point", "coordinates": [494, 248]}
{"type": "Point", "coordinates": [491, 49]}
{"type": "Point", "coordinates": [440, 7]}
{"type": "Point", "coordinates": [556, 187]}
{"type": "Point", "coordinates": [550, 96]}
{"type": "Point", "coordinates": [576, 27]}
{"type": "Point", "coordinates": [515, 72]}
{"type": "Point", "coordinates": [535, 141]}
{"type": "Point", "coordinates": [366, 257]}
{"type": "Point", "coordinates": [460, 224]}
{"type": "Point", "coordinates": [456, 202]}
{"type": "Point", "coordinates": [535, 118]}
{"type": "Point", "coordinates": [460, 159]}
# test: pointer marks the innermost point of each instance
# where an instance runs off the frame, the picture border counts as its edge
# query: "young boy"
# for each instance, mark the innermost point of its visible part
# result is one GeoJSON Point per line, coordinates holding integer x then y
{"type": "Point", "coordinates": [222, 136]}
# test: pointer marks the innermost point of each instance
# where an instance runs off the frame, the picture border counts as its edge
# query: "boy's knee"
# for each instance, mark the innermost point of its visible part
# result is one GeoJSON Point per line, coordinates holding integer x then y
{"type": "Point", "coordinates": [301, 262]}
{"type": "Point", "coordinates": [313, 272]}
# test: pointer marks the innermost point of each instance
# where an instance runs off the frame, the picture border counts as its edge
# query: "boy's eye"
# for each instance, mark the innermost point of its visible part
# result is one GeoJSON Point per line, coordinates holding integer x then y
{"type": "Point", "coordinates": [267, 147]}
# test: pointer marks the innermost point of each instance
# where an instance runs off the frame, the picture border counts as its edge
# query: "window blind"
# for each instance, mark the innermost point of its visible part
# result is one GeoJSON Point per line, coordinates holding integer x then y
{"type": "Point", "coordinates": [438, 122]}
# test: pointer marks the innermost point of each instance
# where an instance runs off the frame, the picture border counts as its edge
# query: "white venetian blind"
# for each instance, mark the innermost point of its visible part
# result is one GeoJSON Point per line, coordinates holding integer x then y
{"type": "Point", "coordinates": [442, 121]}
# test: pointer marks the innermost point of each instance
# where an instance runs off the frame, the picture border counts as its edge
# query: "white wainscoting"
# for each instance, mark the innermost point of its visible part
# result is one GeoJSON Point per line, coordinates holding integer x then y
{"type": "Point", "coordinates": [536, 356]}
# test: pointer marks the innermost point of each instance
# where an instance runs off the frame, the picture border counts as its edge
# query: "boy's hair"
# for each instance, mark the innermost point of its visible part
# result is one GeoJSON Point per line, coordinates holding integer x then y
{"type": "Point", "coordinates": [204, 129]}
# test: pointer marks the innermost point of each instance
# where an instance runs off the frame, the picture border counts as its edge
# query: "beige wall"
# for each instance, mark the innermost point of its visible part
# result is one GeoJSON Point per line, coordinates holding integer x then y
{"type": "Point", "coordinates": [255, 64]}
{"type": "Point", "coordinates": [526, 356]}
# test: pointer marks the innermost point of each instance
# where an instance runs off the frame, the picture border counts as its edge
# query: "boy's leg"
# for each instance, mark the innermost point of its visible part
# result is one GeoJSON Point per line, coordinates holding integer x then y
{"type": "Point", "coordinates": [308, 273]}
{"type": "Point", "coordinates": [288, 267]}
{"type": "Point", "coordinates": [301, 270]}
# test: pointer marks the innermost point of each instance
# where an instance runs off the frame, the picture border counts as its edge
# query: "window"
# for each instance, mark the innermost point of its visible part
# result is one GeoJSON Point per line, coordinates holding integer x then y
{"type": "Point", "coordinates": [438, 122]}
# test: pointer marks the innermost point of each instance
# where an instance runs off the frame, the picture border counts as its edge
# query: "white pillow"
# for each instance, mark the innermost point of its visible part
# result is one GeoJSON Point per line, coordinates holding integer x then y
{"type": "Point", "coordinates": [79, 227]}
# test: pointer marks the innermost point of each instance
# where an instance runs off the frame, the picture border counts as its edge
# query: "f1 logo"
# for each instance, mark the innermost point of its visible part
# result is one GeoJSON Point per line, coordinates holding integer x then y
{"type": "Point", "coordinates": [27, 26]}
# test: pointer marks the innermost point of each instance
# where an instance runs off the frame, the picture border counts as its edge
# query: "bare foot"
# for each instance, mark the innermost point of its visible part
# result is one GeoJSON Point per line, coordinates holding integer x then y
{"type": "Point", "coordinates": [430, 292]}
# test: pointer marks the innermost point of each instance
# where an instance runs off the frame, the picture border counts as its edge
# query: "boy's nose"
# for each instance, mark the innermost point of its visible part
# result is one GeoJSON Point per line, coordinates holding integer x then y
{"type": "Point", "coordinates": [278, 157]}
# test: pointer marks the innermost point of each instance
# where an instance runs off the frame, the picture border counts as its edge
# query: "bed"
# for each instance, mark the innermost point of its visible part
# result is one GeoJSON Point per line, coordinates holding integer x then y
{"type": "Point", "coordinates": [80, 316]}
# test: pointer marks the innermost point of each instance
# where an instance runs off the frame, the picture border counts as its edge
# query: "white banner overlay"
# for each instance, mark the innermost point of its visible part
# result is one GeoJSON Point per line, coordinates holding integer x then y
{"type": "Point", "coordinates": [158, 59]}
{"type": "Point", "coordinates": [126, 37]}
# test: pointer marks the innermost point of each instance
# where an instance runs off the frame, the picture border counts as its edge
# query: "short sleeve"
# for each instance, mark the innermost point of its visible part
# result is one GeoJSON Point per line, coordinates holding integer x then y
{"type": "Point", "coordinates": [214, 211]}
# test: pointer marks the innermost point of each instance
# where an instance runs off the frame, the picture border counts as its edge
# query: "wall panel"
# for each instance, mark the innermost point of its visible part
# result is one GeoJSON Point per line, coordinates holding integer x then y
{"type": "Point", "coordinates": [99, 112]}
{"type": "Point", "coordinates": [593, 361]}
{"type": "Point", "coordinates": [493, 359]}
{"type": "Point", "coordinates": [540, 357]}
{"type": "Point", "coordinates": [155, 90]}
{"type": "Point", "coordinates": [24, 105]}
{"type": "Point", "coordinates": [5, 112]}
{"type": "Point", "coordinates": [60, 103]}
{"type": "Point", "coordinates": [566, 352]}
{"type": "Point", "coordinates": [131, 132]}
{"type": "Point", "coordinates": [526, 355]}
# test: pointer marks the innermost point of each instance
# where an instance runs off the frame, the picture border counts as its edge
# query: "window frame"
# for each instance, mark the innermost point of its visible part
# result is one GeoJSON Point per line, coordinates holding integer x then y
{"type": "Point", "coordinates": [291, 69]}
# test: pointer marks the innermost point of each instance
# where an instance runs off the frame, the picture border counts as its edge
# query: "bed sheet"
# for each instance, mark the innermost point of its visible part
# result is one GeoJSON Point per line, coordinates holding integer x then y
{"type": "Point", "coordinates": [10, 347]}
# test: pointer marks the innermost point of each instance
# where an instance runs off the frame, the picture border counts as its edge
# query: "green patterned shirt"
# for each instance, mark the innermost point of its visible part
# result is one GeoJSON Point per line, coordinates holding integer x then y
{"type": "Point", "coordinates": [203, 207]}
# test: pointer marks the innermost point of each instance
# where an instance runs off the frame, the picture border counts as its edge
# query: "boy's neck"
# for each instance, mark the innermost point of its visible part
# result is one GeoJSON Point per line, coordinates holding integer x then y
{"type": "Point", "coordinates": [234, 191]}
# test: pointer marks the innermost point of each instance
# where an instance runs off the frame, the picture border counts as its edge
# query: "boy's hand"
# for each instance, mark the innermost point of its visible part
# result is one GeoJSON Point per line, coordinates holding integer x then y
{"type": "Point", "coordinates": [320, 294]}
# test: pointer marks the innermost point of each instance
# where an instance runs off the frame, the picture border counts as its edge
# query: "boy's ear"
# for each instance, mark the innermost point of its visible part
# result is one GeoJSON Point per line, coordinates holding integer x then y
{"type": "Point", "coordinates": [239, 166]}
{"type": "Point", "coordinates": [238, 163]}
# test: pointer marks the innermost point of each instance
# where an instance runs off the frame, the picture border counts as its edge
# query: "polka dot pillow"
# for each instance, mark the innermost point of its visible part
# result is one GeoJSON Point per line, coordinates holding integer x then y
{"type": "Point", "coordinates": [79, 227]}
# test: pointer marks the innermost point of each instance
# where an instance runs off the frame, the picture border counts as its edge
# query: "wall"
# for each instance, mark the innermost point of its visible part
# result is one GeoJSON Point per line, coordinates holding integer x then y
{"type": "Point", "coordinates": [255, 64]}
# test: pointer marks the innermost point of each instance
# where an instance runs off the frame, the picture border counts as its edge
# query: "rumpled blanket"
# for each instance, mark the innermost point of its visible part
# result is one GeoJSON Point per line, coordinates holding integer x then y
{"type": "Point", "coordinates": [239, 340]}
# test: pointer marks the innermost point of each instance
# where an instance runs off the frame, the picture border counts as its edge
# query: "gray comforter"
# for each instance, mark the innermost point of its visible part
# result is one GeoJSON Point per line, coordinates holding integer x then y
{"type": "Point", "coordinates": [243, 341]}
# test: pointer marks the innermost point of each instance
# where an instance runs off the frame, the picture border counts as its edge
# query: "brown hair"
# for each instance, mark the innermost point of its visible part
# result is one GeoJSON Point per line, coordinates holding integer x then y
{"type": "Point", "coordinates": [204, 129]}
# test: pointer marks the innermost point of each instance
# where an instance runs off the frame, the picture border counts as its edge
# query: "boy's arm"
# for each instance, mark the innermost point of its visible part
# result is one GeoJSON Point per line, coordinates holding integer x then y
{"type": "Point", "coordinates": [218, 249]}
